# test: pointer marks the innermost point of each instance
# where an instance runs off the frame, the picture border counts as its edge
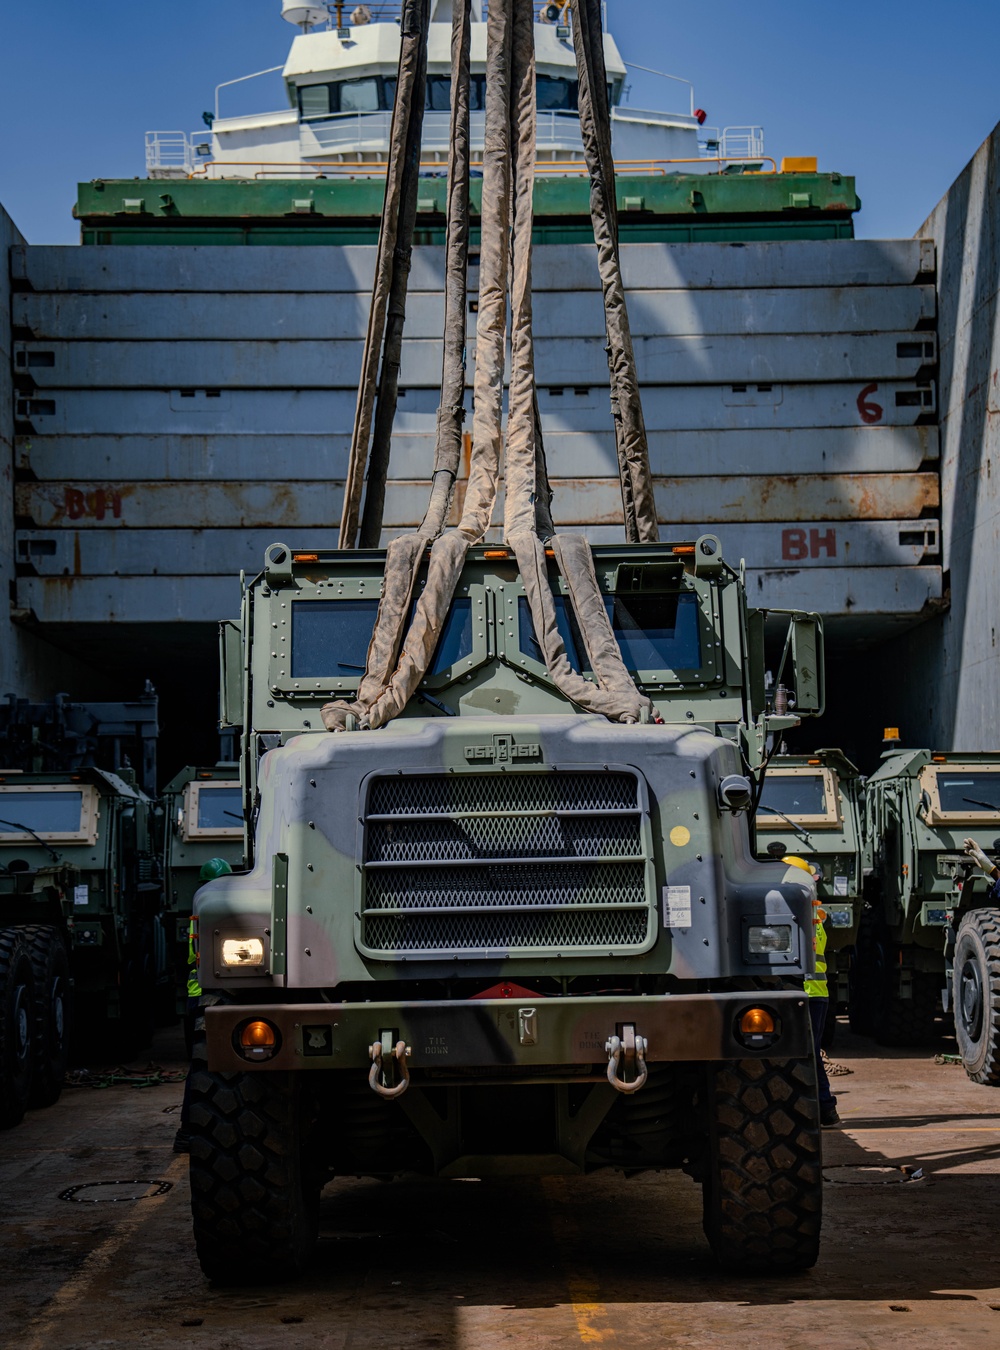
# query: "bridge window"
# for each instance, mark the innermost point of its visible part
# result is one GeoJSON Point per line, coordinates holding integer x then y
{"type": "Point", "coordinates": [555, 95]}
{"type": "Point", "coordinates": [314, 100]}
{"type": "Point", "coordinates": [359, 95]}
{"type": "Point", "coordinates": [373, 93]}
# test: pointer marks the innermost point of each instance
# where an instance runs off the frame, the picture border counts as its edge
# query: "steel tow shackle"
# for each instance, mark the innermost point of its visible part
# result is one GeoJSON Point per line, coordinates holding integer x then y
{"type": "Point", "coordinates": [375, 1073]}
{"type": "Point", "coordinates": [633, 1049]}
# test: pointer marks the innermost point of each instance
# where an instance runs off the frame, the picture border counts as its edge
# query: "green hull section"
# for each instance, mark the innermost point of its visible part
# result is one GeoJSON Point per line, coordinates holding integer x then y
{"type": "Point", "coordinates": [719, 208]}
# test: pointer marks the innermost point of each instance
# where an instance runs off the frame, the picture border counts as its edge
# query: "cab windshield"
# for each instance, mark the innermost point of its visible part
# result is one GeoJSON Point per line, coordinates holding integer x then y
{"type": "Point", "coordinates": [960, 792]}
{"type": "Point", "coordinates": [793, 796]}
{"type": "Point", "coordinates": [39, 812]}
{"type": "Point", "coordinates": [654, 632]}
{"type": "Point", "coordinates": [219, 808]}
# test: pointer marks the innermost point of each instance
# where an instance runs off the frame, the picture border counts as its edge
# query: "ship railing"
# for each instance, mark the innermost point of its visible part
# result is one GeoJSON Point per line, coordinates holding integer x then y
{"type": "Point", "coordinates": [367, 168]}
{"type": "Point", "coordinates": [732, 143]}
{"type": "Point", "coordinates": [356, 131]}
{"type": "Point", "coordinates": [178, 153]}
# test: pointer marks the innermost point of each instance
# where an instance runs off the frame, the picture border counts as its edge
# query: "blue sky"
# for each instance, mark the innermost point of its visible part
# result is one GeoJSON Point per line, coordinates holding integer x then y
{"type": "Point", "coordinates": [897, 93]}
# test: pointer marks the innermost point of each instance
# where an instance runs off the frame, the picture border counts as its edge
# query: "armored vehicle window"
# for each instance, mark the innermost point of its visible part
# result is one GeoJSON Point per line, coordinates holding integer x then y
{"type": "Point", "coordinates": [793, 795]}
{"type": "Point", "coordinates": [331, 637]}
{"type": "Point", "coordinates": [960, 793]}
{"type": "Point", "coordinates": [456, 637]}
{"type": "Point", "coordinates": [211, 811]}
{"type": "Point", "coordinates": [219, 808]}
{"type": "Point", "coordinates": [564, 622]}
{"type": "Point", "coordinates": [654, 632]}
{"type": "Point", "coordinates": [66, 814]}
{"type": "Point", "coordinates": [657, 632]}
{"type": "Point", "coordinates": [44, 812]}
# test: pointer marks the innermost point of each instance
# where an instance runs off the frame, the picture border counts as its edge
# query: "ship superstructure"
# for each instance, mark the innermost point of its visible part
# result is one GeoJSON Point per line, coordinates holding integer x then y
{"type": "Point", "coordinates": [339, 84]}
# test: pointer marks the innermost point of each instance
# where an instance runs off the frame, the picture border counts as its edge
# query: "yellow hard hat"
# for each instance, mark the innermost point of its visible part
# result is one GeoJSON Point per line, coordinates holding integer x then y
{"type": "Point", "coordinates": [798, 862]}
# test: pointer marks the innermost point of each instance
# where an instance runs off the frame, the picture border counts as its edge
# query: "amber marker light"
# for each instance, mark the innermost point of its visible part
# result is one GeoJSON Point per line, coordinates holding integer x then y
{"type": "Point", "coordinates": [756, 1022]}
{"type": "Point", "coordinates": [682, 548]}
{"type": "Point", "coordinates": [496, 553]}
{"type": "Point", "coordinates": [305, 557]}
{"type": "Point", "coordinates": [257, 1039]}
{"type": "Point", "coordinates": [257, 1035]}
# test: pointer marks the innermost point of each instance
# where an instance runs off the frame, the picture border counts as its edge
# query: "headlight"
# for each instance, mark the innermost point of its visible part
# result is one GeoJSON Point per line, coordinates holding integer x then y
{"type": "Point", "coordinates": [244, 952]}
{"type": "Point", "coordinates": [774, 938]}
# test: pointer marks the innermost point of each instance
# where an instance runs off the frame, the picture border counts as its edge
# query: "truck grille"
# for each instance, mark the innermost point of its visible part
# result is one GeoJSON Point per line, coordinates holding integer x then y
{"type": "Point", "coordinates": [485, 864]}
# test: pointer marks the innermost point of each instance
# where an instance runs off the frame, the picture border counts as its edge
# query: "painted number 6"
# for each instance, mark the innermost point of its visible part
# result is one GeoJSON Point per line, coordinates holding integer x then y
{"type": "Point", "coordinates": [870, 412]}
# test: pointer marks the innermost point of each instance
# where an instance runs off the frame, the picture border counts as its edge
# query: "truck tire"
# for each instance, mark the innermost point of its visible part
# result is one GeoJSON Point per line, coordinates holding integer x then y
{"type": "Point", "coordinates": [904, 1021]}
{"type": "Point", "coordinates": [53, 1012]}
{"type": "Point", "coordinates": [17, 1010]}
{"type": "Point", "coordinates": [976, 994]}
{"type": "Point", "coordinates": [763, 1185]}
{"type": "Point", "coordinates": [254, 1203]}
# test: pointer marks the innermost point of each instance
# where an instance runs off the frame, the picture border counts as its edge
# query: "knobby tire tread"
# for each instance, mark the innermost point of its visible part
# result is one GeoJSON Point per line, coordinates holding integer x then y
{"type": "Point", "coordinates": [255, 1214]}
{"type": "Point", "coordinates": [983, 1066]}
{"type": "Point", "coordinates": [15, 969]}
{"type": "Point", "coordinates": [49, 959]}
{"type": "Point", "coordinates": [763, 1187]}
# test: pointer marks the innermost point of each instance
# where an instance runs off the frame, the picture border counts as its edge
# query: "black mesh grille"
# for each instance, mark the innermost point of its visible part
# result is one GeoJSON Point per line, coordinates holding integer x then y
{"type": "Point", "coordinates": [537, 836]}
{"type": "Point", "coordinates": [446, 794]}
{"type": "Point", "coordinates": [504, 862]}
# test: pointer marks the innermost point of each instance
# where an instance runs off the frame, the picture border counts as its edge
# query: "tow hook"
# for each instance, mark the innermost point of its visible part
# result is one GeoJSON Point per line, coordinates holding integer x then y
{"type": "Point", "coordinates": [376, 1075]}
{"type": "Point", "coordinates": [632, 1049]}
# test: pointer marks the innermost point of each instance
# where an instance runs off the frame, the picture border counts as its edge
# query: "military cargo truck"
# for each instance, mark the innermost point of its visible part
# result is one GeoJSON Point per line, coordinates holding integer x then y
{"type": "Point", "coordinates": [202, 819]}
{"type": "Point", "coordinates": [499, 935]}
{"type": "Point", "coordinates": [928, 935]}
{"type": "Point", "coordinates": [80, 889]}
{"type": "Point", "coordinates": [813, 806]}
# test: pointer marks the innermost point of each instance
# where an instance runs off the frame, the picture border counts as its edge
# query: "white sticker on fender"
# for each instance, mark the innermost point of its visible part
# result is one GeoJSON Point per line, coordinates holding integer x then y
{"type": "Point", "coordinates": [677, 906]}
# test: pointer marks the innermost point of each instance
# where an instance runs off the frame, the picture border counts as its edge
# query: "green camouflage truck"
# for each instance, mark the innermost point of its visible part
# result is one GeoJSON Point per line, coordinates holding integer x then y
{"type": "Point", "coordinates": [80, 891]}
{"type": "Point", "coordinates": [202, 819]}
{"type": "Point", "coordinates": [813, 806]}
{"type": "Point", "coordinates": [929, 935]}
{"type": "Point", "coordinates": [499, 935]}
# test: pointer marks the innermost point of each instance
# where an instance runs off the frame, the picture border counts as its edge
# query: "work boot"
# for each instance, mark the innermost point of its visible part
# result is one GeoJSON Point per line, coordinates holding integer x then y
{"type": "Point", "coordinates": [828, 1118]}
{"type": "Point", "coordinates": [182, 1141]}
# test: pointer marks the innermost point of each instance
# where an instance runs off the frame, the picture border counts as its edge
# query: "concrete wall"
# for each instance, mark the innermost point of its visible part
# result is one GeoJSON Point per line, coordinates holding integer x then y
{"type": "Point", "coordinates": [946, 674]}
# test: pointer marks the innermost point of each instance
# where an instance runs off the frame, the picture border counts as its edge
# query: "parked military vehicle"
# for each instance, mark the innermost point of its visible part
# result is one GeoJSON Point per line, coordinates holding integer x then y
{"type": "Point", "coordinates": [203, 819]}
{"type": "Point", "coordinates": [80, 888]}
{"type": "Point", "coordinates": [503, 915]}
{"type": "Point", "coordinates": [928, 939]}
{"type": "Point", "coordinates": [813, 806]}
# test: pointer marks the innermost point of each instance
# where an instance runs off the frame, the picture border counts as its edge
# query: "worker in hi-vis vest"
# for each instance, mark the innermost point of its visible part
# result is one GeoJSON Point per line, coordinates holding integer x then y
{"type": "Point", "coordinates": [215, 867]}
{"type": "Point", "coordinates": [818, 993]}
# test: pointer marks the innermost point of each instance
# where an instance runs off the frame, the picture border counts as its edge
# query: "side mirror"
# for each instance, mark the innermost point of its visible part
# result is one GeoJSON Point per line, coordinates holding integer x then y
{"type": "Point", "coordinates": [808, 661]}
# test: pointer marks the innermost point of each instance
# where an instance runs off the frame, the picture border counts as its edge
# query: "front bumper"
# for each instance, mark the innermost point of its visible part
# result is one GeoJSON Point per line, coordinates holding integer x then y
{"type": "Point", "coordinates": [503, 1033]}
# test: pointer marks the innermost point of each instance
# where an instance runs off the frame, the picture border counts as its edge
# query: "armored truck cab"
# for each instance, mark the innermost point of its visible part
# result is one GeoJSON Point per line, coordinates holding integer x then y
{"type": "Point", "coordinates": [80, 886]}
{"type": "Point", "coordinates": [497, 934]}
{"type": "Point", "coordinates": [928, 930]}
{"type": "Point", "coordinates": [813, 806]}
{"type": "Point", "coordinates": [202, 819]}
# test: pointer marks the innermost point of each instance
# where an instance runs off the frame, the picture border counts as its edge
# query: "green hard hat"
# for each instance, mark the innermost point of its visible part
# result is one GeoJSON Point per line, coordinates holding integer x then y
{"type": "Point", "coordinates": [215, 867]}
